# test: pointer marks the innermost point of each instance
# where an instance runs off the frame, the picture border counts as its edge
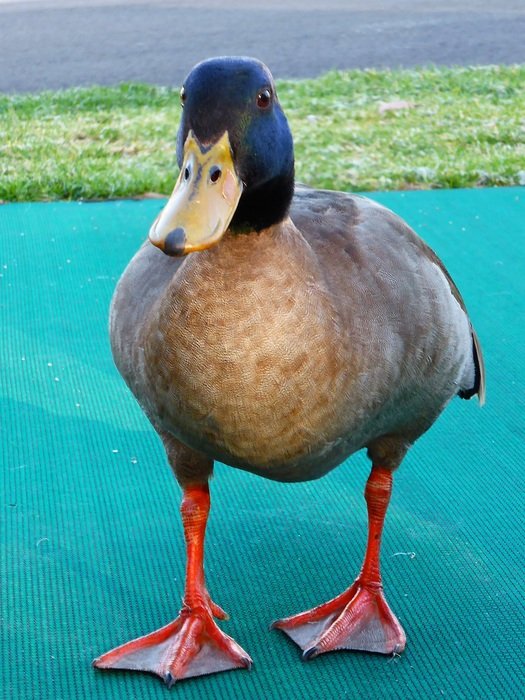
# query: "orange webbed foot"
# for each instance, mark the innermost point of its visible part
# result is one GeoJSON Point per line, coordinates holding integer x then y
{"type": "Point", "coordinates": [359, 619]}
{"type": "Point", "coordinates": [191, 645]}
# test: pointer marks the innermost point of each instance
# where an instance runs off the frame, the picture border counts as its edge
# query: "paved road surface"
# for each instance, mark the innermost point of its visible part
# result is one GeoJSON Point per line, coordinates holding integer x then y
{"type": "Point", "coordinates": [60, 43]}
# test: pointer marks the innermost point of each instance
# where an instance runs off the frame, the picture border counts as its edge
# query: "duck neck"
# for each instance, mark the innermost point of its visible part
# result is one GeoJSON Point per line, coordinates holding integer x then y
{"type": "Point", "coordinates": [263, 206]}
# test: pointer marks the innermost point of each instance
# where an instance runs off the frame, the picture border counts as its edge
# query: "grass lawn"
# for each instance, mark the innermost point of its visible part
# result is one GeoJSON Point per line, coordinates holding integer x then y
{"type": "Point", "coordinates": [353, 130]}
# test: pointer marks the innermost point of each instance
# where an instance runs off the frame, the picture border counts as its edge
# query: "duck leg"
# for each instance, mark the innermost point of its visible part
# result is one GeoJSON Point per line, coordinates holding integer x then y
{"type": "Point", "coordinates": [191, 645]}
{"type": "Point", "coordinates": [359, 618]}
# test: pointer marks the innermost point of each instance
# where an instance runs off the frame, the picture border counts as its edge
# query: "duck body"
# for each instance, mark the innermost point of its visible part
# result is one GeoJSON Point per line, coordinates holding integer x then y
{"type": "Point", "coordinates": [279, 329]}
{"type": "Point", "coordinates": [284, 351]}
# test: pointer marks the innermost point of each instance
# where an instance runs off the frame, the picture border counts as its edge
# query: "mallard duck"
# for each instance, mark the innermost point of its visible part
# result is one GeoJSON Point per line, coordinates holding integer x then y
{"type": "Point", "coordinates": [279, 329]}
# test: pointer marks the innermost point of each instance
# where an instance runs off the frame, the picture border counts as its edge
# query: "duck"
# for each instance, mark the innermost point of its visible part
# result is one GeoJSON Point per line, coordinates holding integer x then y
{"type": "Point", "coordinates": [279, 329]}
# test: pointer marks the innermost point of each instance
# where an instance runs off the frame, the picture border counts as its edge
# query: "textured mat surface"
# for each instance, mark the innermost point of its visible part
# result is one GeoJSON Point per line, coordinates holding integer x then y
{"type": "Point", "coordinates": [92, 554]}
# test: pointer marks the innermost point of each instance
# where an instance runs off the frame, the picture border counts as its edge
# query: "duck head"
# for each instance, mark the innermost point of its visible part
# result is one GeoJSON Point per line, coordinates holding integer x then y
{"type": "Point", "coordinates": [235, 154]}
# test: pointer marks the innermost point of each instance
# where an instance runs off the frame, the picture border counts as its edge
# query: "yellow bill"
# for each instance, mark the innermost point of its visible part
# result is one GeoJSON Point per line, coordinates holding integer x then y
{"type": "Point", "coordinates": [203, 201]}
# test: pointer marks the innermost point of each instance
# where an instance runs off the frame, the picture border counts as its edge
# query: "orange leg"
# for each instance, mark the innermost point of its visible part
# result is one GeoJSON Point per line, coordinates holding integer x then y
{"type": "Point", "coordinates": [359, 618]}
{"type": "Point", "coordinates": [191, 645]}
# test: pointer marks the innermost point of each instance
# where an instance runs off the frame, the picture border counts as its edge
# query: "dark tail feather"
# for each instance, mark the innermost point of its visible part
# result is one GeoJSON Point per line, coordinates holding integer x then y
{"type": "Point", "coordinates": [479, 379]}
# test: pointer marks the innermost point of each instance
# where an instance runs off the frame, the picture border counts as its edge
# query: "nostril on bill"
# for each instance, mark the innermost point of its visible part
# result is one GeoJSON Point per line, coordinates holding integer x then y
{"type": "Point", "coordinates": [215, 173]}
{"type": "Point", "coordinates": [175, 242]}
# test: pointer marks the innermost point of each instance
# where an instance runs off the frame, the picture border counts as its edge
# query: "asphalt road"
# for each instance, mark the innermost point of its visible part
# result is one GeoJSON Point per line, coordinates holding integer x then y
{"type": "Point", "coordinates": [64, 43]}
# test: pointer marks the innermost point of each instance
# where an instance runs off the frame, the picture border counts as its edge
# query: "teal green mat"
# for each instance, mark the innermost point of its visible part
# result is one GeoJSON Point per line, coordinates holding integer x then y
{"type": "Point", "coordinates": [92, 553]}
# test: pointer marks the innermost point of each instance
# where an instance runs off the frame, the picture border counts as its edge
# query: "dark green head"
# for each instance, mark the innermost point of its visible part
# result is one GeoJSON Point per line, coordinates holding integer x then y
{"type": "Point", "coordinates": [237, 96]}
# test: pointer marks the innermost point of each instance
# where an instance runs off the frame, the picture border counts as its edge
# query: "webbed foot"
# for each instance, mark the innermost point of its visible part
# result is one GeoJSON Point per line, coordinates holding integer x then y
{"type": "Point", "coordinates": [191, 645]}
{"type": "Point", "coordinates": [359, 619]}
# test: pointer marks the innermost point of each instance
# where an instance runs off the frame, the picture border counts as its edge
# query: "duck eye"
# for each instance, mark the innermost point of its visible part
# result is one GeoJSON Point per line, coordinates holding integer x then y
{"type": "Point", "coordinates": [264, 97]}
{"type": "Point", "coordinates": [182, 96]}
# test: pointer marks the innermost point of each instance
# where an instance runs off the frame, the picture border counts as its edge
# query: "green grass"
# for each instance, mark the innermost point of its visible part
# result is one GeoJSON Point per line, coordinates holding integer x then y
{"type": "Point", "coordinates": [465, 127]}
